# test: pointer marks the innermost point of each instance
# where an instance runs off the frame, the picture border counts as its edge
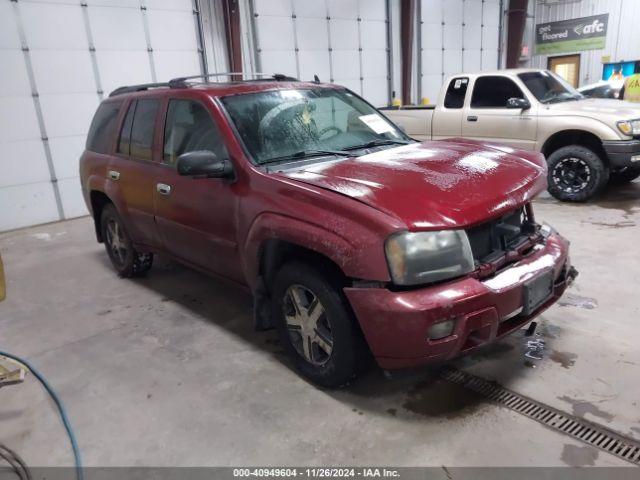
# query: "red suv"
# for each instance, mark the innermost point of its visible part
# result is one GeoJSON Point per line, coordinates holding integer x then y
{"type": "Point", "coordinates": [354, 239]}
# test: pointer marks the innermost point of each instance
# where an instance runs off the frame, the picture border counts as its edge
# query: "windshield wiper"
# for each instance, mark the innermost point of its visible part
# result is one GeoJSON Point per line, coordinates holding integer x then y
{"type": "Point", "coordinates": [307, 154]}
{"type": "Point", "coordinates": [377, 143]}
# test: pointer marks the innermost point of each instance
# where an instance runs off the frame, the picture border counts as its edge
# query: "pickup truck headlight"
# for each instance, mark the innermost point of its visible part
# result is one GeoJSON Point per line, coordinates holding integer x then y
{"type": "Point", "coordinates": [630, 127]}
{"type": "Point", "coordinates": [425, 257]}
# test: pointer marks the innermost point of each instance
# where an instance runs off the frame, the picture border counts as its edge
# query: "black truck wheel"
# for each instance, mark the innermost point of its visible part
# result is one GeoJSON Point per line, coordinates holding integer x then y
{"type": "Point", "coordinates": [576, 173]}
{"type": "Point", "coordinates": [127, 261]}
{"type": "Point", "coordinates": [316, 327]}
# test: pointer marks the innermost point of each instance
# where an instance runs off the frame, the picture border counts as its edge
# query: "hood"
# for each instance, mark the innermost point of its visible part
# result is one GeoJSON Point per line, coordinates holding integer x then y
{"type": "Point", "coordinates": [609, 108]}
{"type": "Point", "coordinates": [441, 184]}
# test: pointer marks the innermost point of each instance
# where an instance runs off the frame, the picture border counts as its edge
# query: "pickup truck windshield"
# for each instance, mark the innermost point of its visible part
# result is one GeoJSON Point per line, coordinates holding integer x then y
{"type": "Point", "coordinates": [549, 88]}
{"type": "Point", "coordinates": [282, 124]}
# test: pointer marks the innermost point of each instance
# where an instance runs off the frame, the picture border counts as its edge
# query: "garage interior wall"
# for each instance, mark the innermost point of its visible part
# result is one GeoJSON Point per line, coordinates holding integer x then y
{"type": "Point", "coordinates": [456, 36]}
{"type": "Point", "coordinates": [624, 18]}
{"type": "Point", "coordinates": [59, 59]}
{"type": "Point", "coordinates": [341, 41]}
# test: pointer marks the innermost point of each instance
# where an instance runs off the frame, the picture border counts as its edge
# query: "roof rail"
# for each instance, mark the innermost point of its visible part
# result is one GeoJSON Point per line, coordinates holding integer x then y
{"type": "Point", "coordinates": [137, 88]}
{"type": "Point", "coordinates": [181, 82]}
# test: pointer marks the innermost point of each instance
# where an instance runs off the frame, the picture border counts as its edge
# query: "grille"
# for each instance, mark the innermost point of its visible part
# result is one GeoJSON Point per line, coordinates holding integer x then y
{"type": "Point", "coordinates": [490, 241]}
{"type": "Point", "coordinates": [588, 432]}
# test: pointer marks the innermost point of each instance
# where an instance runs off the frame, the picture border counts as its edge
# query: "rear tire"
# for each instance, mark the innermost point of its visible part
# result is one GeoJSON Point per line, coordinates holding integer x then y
{"type": "Point", "coordinates": [126, 260]}
{"type": "Point", "coordinates": [576, 174]}
{"type": "Point", "coordinates": [316, 327]}
{"type": "Point", "coordinates": [625, 175]}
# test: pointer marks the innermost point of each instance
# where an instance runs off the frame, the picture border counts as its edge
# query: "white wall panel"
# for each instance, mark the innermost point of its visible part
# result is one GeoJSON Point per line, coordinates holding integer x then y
{"type": "Point", "coordinates": [13, 74]}
{"type": "Point", "coordinates": [344, 41]}
{"type": "Point", "coordinates": [69, 88]}
{"type": "Point", "coordinates": [113, 75]}
{"type": "Point", "coordinates": [23, 162]}
{"type": "Point", "coordinates": [29, 204]}
{"type": "Point", "coordinates": [18, 119]}
{"type": "Point", "coordinates": [456, 36]}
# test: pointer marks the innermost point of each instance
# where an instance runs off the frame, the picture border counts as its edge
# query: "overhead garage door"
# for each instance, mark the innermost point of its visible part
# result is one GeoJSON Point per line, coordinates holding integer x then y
{"type": "Point", "coordinates": [341, 41]}
{"type": "Point", "coordinates": [59, 59]}
{"type": "Point", "coordinates": [456, 36]}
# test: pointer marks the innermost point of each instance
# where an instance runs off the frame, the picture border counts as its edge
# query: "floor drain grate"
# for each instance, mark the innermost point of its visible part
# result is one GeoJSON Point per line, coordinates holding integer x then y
{"type": "Point", "coordinates": [593, 434]}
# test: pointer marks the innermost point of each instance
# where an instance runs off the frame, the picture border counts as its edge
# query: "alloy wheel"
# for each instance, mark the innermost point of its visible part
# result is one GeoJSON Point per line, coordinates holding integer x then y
{"type": "Point", "coordinates": [307, 324]}
{"type": "Point", "coordinates": [116, 242]}
{"type": "Point", "coordinates": [571, 175]}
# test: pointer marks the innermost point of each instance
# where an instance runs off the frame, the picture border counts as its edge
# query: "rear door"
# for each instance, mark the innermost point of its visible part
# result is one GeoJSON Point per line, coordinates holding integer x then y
{"type": "Point", "coordinates": [487, 118]}
{"type": "Point", "coordinates": [196, 217]}
{"type": "Point", "coordinates": [131, 170]}
{"type": "Point", "coordinates": [447, 118]}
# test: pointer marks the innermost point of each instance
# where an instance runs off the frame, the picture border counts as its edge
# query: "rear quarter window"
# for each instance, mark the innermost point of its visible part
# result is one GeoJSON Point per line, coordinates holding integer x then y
{"type": "Point", "coordinates": [103, 128]}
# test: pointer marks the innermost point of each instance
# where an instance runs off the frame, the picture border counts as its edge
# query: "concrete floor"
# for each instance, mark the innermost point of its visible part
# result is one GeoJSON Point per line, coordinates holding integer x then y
{"type": "Point", "coordinates": [167, 371]}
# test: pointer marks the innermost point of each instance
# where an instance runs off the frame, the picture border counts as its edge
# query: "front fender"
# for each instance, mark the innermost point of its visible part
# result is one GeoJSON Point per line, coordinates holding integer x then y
{"type": "Point", "coordinates": [338, 249]}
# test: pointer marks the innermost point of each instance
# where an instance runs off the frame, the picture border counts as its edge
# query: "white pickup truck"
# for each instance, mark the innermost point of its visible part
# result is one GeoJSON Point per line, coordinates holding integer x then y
{"type": "Point", "coordinates": [587, 142]}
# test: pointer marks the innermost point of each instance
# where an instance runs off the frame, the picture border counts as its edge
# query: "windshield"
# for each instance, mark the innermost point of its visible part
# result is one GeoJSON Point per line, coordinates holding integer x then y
{"type": "Point", "coordinates": [284, 124]}
{"type": "Point", "coordinates": [549, 88]}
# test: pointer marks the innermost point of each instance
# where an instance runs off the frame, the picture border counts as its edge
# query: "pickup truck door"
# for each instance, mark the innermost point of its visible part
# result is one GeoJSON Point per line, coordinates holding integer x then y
{"type": "Point", "coordinates": [196, 217]}
{"type": "Point", "coordinates": [447, 118]}
{"type": "Point", "coordinates": [487, 118]}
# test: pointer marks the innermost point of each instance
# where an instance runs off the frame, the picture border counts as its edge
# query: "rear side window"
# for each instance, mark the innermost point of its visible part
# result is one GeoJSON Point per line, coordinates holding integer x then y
{"type": "Point", "coordinates": [124, 141]}
{"type": "Point", "coordinates": [190, 128]}
{"type": "Point", "coordinates": [456, 92]}
{"type": "Point", "coordinates": [103, 128]}
{"type": "Point", "coordinates": [493, 92]}
{"type": "Point", "coordinates": [136, 137]}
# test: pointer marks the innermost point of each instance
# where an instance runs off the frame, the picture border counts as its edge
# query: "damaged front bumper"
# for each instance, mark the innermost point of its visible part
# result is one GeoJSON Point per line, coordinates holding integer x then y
{"type": "Point", "coordinates": [396, 323]}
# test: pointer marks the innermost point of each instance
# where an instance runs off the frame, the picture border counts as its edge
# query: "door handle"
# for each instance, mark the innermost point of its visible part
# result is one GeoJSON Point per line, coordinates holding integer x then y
{"type": "Point", "coordinates": [163, 188]}
{"type": "Point", "coordinates": [113, 175]}
{"type": "Point", "coordinates": [472, 118]}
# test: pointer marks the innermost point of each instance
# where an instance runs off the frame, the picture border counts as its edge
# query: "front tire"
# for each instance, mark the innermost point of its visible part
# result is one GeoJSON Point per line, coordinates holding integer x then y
{"type": "Point", "coordinates": [126, 260]}
{"type": "Point", "coordinates": [625, 175]}
{"type": "Point", "coordinates": [576, 174]}
{"type": "Point", "coordinates": [316, 327]}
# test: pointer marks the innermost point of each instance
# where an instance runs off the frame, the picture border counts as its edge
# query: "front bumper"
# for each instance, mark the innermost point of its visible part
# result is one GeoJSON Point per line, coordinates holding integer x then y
{"type": "Point", "coordinates": [622, 153]}
{"type": "Point", "coordinates": [395, 324]}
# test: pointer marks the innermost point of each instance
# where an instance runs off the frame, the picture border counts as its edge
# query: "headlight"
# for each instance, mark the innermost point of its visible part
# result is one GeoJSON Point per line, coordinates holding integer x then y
{"type": "Point", "coordinates": [425, 257]}
{"type": "Point", "coordinates": [629, 127]}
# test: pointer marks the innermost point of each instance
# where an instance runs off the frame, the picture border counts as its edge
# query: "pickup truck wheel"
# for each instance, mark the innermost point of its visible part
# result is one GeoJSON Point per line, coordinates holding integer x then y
{"type": "Point", "coordinates": [576, 173]}
{"type": "Point", "coordinates": [316, 327]}
{"type": "Point", "coordinates": [625, 175]}
{"type": "Point", "coordinates": [127, 261]}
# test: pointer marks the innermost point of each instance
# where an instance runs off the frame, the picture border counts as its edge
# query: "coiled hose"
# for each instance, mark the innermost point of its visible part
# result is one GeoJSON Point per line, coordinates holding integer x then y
{"type": "Point", "coordinates": [61, 410]}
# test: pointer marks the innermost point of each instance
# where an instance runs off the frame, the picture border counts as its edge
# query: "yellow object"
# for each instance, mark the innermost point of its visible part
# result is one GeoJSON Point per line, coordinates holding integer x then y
{"type": "Point", "coordinates": [632, 88]}
{"type": "Point", "coordinates": [3, 288]}
{"type": "Point", "coordinates": [425, 101]}
{"type": "Point", "coordinates": [396, 102]}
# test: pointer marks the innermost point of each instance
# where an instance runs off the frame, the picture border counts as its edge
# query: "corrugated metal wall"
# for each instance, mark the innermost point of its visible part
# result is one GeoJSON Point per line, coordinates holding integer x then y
{"type": "Point", "coordinates": [623, 34]}
{"type": "Point", "coordinates": [58, 59]}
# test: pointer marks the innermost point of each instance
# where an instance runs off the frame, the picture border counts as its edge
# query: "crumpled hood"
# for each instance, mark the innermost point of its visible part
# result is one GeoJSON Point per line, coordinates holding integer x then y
{"type": "Point", "coordinates": [613, 110]}
{"type": "Point", "coordinates": [441, 184]}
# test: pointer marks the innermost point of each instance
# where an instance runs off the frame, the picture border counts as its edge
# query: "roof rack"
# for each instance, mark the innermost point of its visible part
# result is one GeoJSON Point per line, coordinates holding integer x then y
{"type": "Point", "coordinates": [137, 88]}
{"type": "Point", "coordinates": [182, 82]}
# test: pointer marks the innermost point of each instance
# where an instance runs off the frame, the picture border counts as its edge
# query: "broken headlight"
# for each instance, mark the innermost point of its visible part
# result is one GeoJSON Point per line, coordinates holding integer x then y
{"type": "Point", "coordinates": [416, 258]}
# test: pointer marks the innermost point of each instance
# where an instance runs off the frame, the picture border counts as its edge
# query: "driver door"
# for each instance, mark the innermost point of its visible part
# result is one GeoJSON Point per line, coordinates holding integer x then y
{"type": "Point", "coordinates": [196, 216]}
{"type": "Point", "coordinates": [487, 118]}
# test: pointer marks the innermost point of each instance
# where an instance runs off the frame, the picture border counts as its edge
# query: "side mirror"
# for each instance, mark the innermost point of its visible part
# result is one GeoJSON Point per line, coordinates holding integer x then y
{"type": "Point", "coordinates": [520, 103]}
{"type": "Point", "coordinates": [203, 163]}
